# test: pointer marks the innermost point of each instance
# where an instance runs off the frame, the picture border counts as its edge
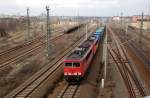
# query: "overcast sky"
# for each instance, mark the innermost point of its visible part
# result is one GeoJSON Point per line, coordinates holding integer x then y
{"type": "Point", "coordinates": [75, 7]}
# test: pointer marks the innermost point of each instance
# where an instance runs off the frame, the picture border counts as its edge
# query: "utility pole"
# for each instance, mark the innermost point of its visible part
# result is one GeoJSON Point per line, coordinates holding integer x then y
{"type": "Point", "coordinates": [105, 61]}
{"type": "Point", "coordinates": [78, 21]}
{"type": "Point", "coordinates": [149, 13]}
{"type": "Point", "coordinates": [141, 28]}
{"type": "Point", "coordinates": [28, 24]}
{"type": "Point", "coordinates": [126, 31]}
{"type": "Point", "coordinates": [48, 36]}
{"type": "Point", "coordinates": [105, 64]}
{"type": "Point", "coordinates": [42, 28]}
{"type": "Point", "coordinates": [121, 20]}
{"type": "Point", "coordinates": [86, 31]}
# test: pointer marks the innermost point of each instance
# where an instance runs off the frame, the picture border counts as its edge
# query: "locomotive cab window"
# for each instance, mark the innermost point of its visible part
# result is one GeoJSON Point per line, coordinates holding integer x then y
{"type": "Point", "coordinates": [68, 64]}
{"type": "Point", "coordinates": [76, 64]}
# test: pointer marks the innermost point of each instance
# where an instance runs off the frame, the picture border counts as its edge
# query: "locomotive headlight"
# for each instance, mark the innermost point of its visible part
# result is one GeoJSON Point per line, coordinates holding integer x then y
{"type": "Point", "coordinates": [79, 73]}
{"type": "Point", "coordinates": [65, 73]}
{"type": "Point", "coordinates": [75, 73]}
{"type": "Point", "coordinates": [69, 73]}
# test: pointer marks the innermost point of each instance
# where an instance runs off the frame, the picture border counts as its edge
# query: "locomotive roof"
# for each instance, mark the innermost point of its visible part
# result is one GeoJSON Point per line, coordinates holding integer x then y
{"type": "Point", "coordinates": [80, 51]}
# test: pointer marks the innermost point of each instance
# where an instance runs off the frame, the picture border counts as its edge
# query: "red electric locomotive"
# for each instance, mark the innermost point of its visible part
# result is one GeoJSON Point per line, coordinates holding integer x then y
{"type": "Point", "coordinates": [77, 63]}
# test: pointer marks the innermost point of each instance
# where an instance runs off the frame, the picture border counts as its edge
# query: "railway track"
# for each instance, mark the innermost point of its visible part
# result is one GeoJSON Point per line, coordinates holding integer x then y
{"type": "Point", "coordinates": [33, 41]}
{"type": "Point", "coordinates": [22, 48]}
{"type": "Point", "coordinates": [21, 45]}
{"type": "Point", "coordinates": [134, 44]}
{"type": "Point", "coordinates": [140, 54]}
{"type": "Point", "coordinates": [138, 33]}
{"type": "Point", "coordinates": [20, 52]}
{"type": "Point", "coordinates": [29, 87]}
{"type": "Point", "coordinates": [127, 72]}
{"type": "Point", "coordinates": [27, 44]}
{"type": "Point", "coordinates": [124, 75]}
{"type": "Point", "coordinates": [69, 91]}
{"type": "Point", "coordinates": [21, 55]}
{"type": "Point", "coordinates": [144, 45]}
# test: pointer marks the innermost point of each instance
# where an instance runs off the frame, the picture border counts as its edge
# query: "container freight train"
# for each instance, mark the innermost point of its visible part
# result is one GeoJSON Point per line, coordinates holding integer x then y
{"type": "Point", "coordinates": [78, 62]}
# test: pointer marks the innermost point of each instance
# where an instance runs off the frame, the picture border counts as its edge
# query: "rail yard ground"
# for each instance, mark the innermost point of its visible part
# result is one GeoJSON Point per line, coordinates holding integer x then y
{"type": "Point", "coordinates": [27, 71]}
